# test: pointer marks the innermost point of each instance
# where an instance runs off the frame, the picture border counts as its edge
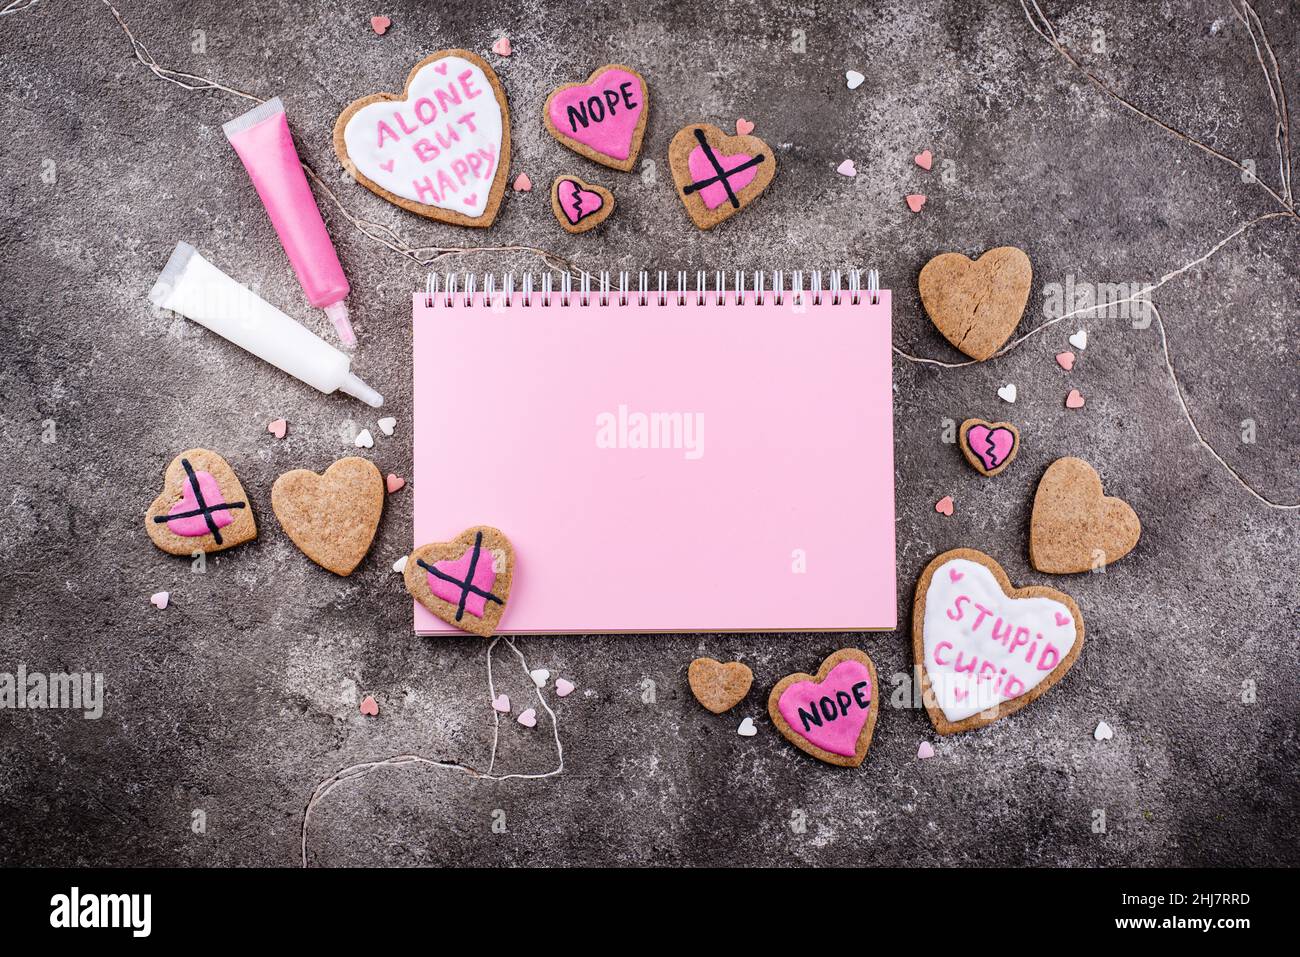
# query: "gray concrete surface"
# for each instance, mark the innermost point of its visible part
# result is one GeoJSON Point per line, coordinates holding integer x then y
{"type": "Point", "coordinates": [238, 699]}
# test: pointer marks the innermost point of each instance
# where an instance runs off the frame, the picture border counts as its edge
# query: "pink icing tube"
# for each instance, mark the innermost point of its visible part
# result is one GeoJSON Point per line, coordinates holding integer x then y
{"type": "Point", "coordinates": [262, 139]}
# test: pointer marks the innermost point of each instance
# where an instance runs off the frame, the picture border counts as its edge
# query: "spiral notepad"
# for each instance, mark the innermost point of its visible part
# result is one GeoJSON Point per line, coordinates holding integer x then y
{"type": "Point", "coordinates": [664, 456]}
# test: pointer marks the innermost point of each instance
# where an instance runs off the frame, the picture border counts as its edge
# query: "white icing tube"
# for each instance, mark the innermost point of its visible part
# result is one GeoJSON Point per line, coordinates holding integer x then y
{"type": "Point", "coordinates": [198, 290]}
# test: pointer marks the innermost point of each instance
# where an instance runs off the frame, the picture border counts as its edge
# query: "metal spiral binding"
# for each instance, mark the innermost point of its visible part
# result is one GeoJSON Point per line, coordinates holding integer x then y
{"type": "Point", "coordinates": [593, 288]}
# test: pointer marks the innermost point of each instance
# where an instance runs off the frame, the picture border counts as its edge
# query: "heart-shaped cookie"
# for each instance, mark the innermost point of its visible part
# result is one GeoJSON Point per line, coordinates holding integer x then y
{"type": "Point", "coordinates": [466, 581]}
{"type": "Point", "coordinates": [832, 715]}
{"type": "Point", "coordinates": [985, 649]}
{"type": "Point", "coordinates": [603, 119]}
{"type": "Point", "coordinates": [441, 148]}
{"type": "Point", "coordinates": [331, 517]}
{"type": "Point", "coordinates": [717, 686]}
{"type": "Point", "coordinates": [718, 175]}
{"type": "Point", "coordinates": [1074, 527]}
{"type": "Point", "coordinates": [579, 205]}
{"type": "Point", "coordinates": [988, 446]}
{"type": "Point", "coordinates": [202, 507]}
{"type": "Point", "coordinates": [977, 305]}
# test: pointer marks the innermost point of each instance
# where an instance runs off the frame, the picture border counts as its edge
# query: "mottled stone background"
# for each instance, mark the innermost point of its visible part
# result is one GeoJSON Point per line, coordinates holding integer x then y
{"type": "Point", "coordinates": [242, 696]}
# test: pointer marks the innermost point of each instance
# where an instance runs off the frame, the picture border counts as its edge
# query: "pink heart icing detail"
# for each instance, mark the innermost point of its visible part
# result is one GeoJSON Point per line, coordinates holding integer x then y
{"type": "Point", "coordinates": [991, 446]}
{"type": "Point", "coordinates": [193, 525]}
{"type": "Point", "coordinates": [441, 67]}
{"type": "Point", "coordinates": [470, 200]}
{"type": "Point", "coordinates": [715, 194]}
{"type": "Point", "coordinates": [955, 575]}
{"type": "Point", "coordinates": [602, 115]}
{"type": "Point", "coordinates": [1061, 619]}
{"type": "Point", "coordinates": [484, 578]}
{"type": "Point", "coordinates": [830, 713]}
{"type": "Point", "coordinates": [577, 203]}
{"type": "Point", "coordinates": [388, 165]}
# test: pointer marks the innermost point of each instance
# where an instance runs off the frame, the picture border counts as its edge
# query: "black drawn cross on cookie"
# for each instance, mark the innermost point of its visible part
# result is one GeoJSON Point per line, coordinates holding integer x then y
{"type": "Point", "coordinates": [721, 176]}
{"type": "Point", "coordinates": [467, 586]}
{"type": "Point", "coordinates": [204, 508]}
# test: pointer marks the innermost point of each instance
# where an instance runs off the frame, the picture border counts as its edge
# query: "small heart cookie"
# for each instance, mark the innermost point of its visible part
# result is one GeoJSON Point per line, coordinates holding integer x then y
{"type": "Point", "coordinates": [977, 304]}
{"type": "Point", "coordinates": [717, 686]}
{"type": "Point", "coordinates": [202, 507]}
{"type": "Point", "coordinates": [602, 119]}
{"type": "Point", "coordinates": [466, 581]}
{"type": "Point", "coordinates": [579, 205]}
{"type": "Point", "coordinates": [331, 517]}
{"type": "Point", "coordinates": [718, 175]}
{"type": "Point", "coordinates": [988, 446]}
{"type": "Point", "coordinates": [1074, 527]}
{"type": "Point", "coordinates": [985, 649]}
{"type": "Point", "coordinates": [830, 716]}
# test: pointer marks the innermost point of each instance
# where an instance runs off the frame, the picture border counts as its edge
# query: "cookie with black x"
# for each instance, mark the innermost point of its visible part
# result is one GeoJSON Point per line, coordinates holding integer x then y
{"type": "Point", "coordinates": [718, 175]}
{"type": "Point", "coordinates": [465, 581]}
{"type": "Point", "coordinates": [202, 507]}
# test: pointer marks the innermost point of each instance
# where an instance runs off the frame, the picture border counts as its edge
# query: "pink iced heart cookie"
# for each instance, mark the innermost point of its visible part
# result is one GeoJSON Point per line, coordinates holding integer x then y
{"type": "Point", "coordinates": [202, 507]}
{"type": "Point", "coordinates": [441, 148]}
{"type": "Point", "coordinates": [989, 446]}
{"type": "Point", "coordinates": [718, 175]}
{"type": "Point", "coordinates": [466, 581]}
{"type": "Point", "coordinates": [832, 715]}
{"type": "Point", "coordinates": [984, 648]}
{"type": "Point", "coordinates": [604, 118]}
{"type": "Point", "coordinates": [579, 205]}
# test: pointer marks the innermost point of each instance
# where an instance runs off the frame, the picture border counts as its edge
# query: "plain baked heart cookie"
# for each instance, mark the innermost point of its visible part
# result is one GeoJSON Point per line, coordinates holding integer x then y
{"type": "Point", "coordinates": [466, 581]}
{"type": "Point", "coordinates": [579, 205]}
{"type": "Point", "coordinates": [1074, 527]}
{"type": "Point", "coordinates": [717, 686]}
{"type": "Point", "coordinates": [331, 517]}
{"type": "Point", "coordinates": [977, 304]}
{"type": "Point", "coordinates": [718, 175]}
{"type": "Point", "coordinates": [602, 119]}
{"type": "Point", "coordinates": [202, 507]}
{"type": "Point", "coordinates": [985, 650]}
{"type": "Point", "coordinates": [989, 447]}
{"type": "Point", "coordinates": [441, 148]}
{"type": "Point", "coordinates": [831, 715]}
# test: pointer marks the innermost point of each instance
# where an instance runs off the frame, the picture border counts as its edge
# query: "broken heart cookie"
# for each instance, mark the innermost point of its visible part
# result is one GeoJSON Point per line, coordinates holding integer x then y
{"type": "Point", "coordinates": [441, 148]}
{"type": "Point", "coordinates": [1074, 527]}
{"type": "Point", "coordinates": [331, 517]}
{"type": "Point", "coordinates": [984, 649]}
{"type": "Point", "coordinates": [603, 119]}
{"type": "Point", "coordinates": [988, 446]}
{"type": "Point", "coordinates": [202, 507]}
{"type": "Point", "coordinates": [717, 686]}
{"type": "Point", "coordinates": [579, 205]}
{"type": "Point", "coordinates": [832, 715]}
{"type": "Point", "coordinates": [465, 581]}
{"type": "Point", "coordinates": [718, 175]}
{"type": "Point", "coordinates": [977, 304]}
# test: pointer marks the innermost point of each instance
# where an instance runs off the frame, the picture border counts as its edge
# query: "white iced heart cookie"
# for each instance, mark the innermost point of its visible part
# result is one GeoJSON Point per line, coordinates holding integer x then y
{"type": "Point", "coordinates": [441, 148]}
{"type": "Point", "coordinates": [985, 649]}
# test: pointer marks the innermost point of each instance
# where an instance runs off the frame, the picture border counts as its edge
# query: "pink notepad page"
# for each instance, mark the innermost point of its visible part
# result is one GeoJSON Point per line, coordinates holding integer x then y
{"type": "Point", "coordinates": [768, 505]}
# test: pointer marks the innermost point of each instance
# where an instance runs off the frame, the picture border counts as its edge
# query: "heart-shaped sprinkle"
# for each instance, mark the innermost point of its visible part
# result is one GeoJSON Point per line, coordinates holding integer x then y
{"type": "Point", "coordinates": [160, 599]}
{"type": "Point", "coordinates": [564, 687]}
{"type": "Point", "coordinates": [202, 506]}
{"type": "Point", "coordinates": [387, 424]}
{"type": "Point", "coordinates": [944, 505]}
{"type": "Point", "coordinates": [331, 517]}
{"type": "Point", "coordinates": [989, 446]}
{"type": "Point", "coordinates": [1073, 526]}
{"type": "Point", "coordinates": [977, 304]}
{"type": "Point", "coordinates": [717, 686]}
{"type": "Point", "coordinates": [832, 715]}
{"type": "Point", "coordinates": [540, 676]}
{"type": "Point", "coordinates": [853, 79]}
{"type": "Point", "coordinates": [986, 649]}
{"type": "Point", "coordinates": [602, 119]}
{"type": "Point", "coordinates": [502, 47]}
{"type": "Point", "coordinates": [394, 482]}
{"type": "Point", "coordinates": [277, 427]}
{"type": "Point", "coordinates": [399, 566]}
{"type": "Point", "coordinates": [380, 24]}
{"type": "Point", "coordinates": [1074, 400]}
{"type": "Point", "coordinates": [847, 168]}
{"type": "Point", "coordinates": [522, 183]}
{"type": "Point", "coordinates": [1065, 360]}
{"type": "Point", "coordinates": [364, 440]}
{"type": "Point", "coordinates": [915, 201]}
{"type": "Point", "coordinates": [1080, 339]}
{"type": "Point", "coordinates": [466, 581]}
{"type": "Point", "coordinates": [1104, 732]}
{"type": "Point", "coordinates": [744, 127]}
{"type": "Point", "coordinates": [1008, 392]}
{"type": "Point", "coordinates": [926, 750]}
{"type": "Point", "coordinates": [528, 718]}
{"type": "Point", "coordinates": [924, 159]}
{"type": "Point", "coordinates": [501, 703]}
{"type": "Point", "coordinates": [747, 729]}
{"type": "Point", "coordinates": [718, 175]}
{"type": "Point", "coordinates": [369, 706]}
